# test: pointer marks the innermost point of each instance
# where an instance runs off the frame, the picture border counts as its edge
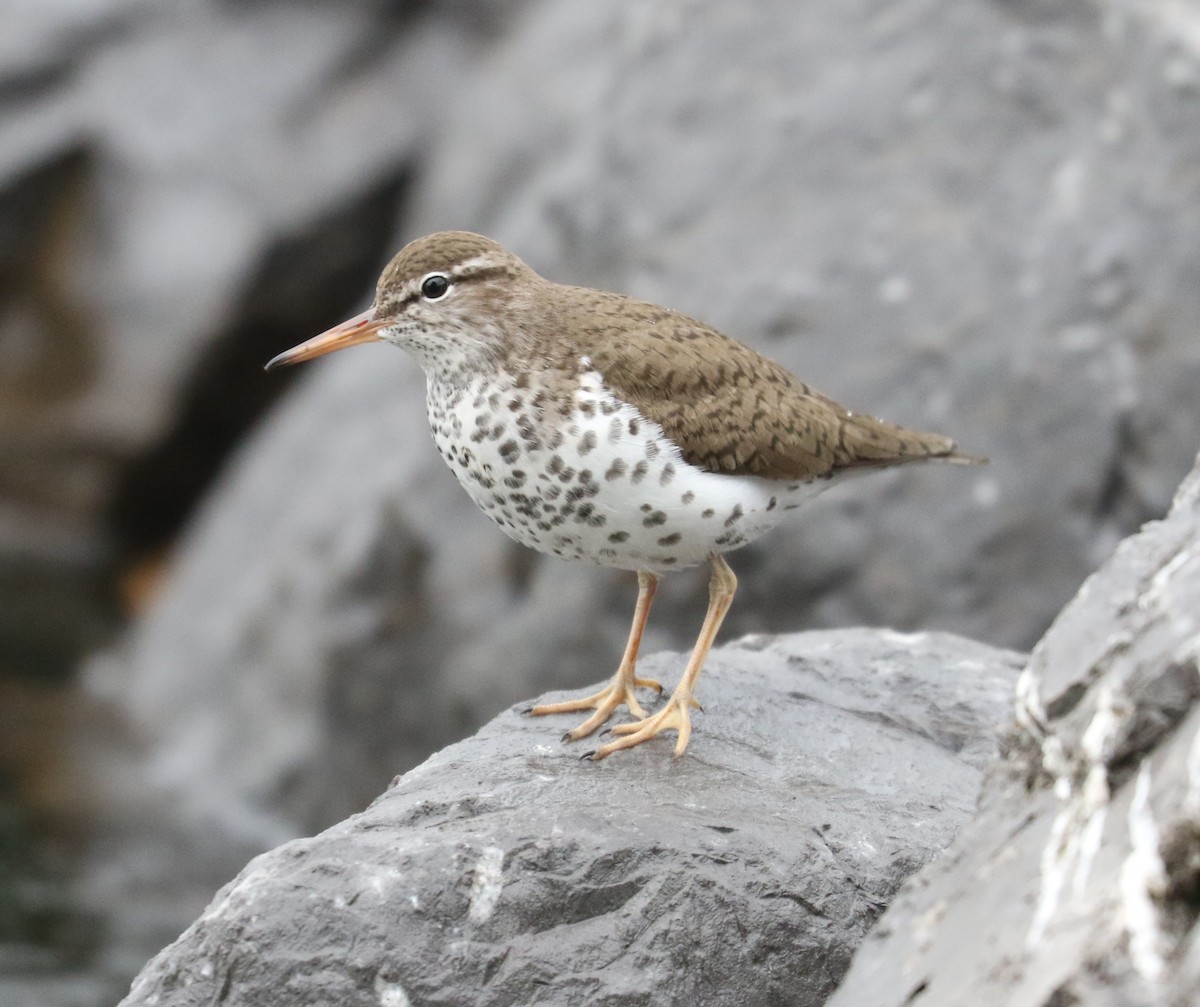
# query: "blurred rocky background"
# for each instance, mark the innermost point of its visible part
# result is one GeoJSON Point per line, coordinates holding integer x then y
{"type": "Point", "coordinates": [233, 606]}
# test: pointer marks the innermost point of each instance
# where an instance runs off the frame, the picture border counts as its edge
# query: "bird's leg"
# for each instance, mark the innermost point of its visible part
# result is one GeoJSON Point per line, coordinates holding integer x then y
{"type": "Point", "coordinates": [620, 689]}
{"type": "Point", "coordinates": [674, 716]}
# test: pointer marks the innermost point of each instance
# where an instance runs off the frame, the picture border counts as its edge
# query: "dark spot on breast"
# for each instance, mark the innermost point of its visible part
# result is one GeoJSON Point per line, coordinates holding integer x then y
{"type": "Point", "coordinates": [658, 517]}
{"type": "Point", "coordinates": [618, 536]}
{"type": "Point", "coordinates": [588, 442]}
{"type": "Point", "coordinates": [509, 451]}
{"type": "Point", "coordinates": [688, 497]}
{"type": "Point", "coordinates": [734, 516]}
{"type": "Point", "coordinates": [633, 428]}
{"type": "Point", "coordinates": [639, 472]}
{"type": "Point", "coordinates": [671, 539]}
{"type": "Point", "coordinates": [707, 512]}
{"type": "Point", "coordinates": [668, 473]}
{"type": "Point", "coordinates": [615, 470]}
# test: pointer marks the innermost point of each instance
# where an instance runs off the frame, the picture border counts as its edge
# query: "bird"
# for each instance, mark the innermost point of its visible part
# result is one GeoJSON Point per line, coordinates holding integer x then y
{"type": "Point", "coordinates": [596, 427]}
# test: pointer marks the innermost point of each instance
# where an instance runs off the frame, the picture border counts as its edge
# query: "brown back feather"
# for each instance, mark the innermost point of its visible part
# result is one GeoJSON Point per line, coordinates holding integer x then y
{"type": "Point", "coordinates": [727, 407]}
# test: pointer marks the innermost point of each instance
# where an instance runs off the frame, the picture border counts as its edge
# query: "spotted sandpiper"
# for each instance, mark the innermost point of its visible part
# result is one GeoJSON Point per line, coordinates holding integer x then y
{"type": "Point", "coordinates": [596, 427]}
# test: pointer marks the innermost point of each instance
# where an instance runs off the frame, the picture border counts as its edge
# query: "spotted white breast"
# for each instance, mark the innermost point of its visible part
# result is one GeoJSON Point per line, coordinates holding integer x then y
{"type": "Point", "coordinates": [602, 483]}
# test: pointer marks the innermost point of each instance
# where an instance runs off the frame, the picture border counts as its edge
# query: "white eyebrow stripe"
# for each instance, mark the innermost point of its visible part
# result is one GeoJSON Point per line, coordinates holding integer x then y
{"type": "Point", "coordinates": [470, 265]}
{"type": "Point", "coordinates": [461, 271]}
{"type": "Point", "coordinates": [477, 264]}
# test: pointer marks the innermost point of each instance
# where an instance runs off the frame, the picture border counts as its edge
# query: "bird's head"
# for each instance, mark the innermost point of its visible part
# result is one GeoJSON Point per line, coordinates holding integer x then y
{"type": "Point", "coordinates": [448, 298]}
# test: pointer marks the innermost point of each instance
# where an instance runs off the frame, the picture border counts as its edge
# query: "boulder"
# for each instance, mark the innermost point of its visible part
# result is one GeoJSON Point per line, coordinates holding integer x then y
{"type": "Point", "coordinates": [1077, 881]}
{"type": "Point", "coordinates": [825, 767]}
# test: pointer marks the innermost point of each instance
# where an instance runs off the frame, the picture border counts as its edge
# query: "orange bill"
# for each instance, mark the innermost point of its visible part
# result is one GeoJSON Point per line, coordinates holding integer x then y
{"type": "Point", "coordinates": [359, 329]}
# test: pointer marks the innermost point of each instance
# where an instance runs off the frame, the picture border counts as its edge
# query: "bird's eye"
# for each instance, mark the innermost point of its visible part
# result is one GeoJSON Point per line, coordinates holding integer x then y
{"type": "Point", "coordinates": [435, 287]}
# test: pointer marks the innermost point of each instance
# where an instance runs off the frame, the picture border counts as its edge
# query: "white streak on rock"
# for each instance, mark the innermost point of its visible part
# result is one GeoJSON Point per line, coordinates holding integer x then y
{"type": "Point", "coordinates": [390, 993]}
{"type": "Point", "coordinates": [1142, 877]}
{"type": "Point", "coordinates": [486, 884]}
{"type": "Point", "coordinates": [1028, 709]}
{"type": "Point", "coordinates": [1078, 828]}
{"type": "Point", "coordinates": [1191, 798]}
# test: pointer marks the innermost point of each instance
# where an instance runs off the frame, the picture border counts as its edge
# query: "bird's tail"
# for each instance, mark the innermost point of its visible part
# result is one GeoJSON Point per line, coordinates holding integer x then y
{"type": "Point", "coordinates": [876, 443]}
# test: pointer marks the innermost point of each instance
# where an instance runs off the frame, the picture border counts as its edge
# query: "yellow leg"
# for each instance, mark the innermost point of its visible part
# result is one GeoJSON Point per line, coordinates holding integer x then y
{"type": "Point", "coordinates": [620, 690]}
{"type": "Point", "coordinates": [674, 716]}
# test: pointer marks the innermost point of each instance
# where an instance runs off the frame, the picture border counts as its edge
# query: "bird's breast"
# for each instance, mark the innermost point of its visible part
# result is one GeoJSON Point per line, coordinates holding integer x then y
{"type": "Point", "coordinates": [565, 467]}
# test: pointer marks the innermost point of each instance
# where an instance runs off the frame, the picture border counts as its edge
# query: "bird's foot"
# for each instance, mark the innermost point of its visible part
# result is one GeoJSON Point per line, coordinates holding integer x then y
{"type": "Point", "coordinates": [672, 717]}
{"type": "Point", "coordinates": [617, 693]}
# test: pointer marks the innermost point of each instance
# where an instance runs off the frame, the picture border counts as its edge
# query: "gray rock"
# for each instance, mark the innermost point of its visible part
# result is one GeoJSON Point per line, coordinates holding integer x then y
{"type": "Point", "coordinates": [826, 767]}
{"type": "Point", "coordinates": [1076, 883]}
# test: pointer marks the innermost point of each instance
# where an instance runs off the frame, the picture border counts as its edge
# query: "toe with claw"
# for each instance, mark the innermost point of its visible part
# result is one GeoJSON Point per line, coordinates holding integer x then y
{"type": "Point", "coordinates": [619, 692]}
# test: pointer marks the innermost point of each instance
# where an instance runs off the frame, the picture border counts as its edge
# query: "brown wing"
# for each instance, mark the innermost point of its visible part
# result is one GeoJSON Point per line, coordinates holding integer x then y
{"type": "Point", "coordinates": [732, 410]}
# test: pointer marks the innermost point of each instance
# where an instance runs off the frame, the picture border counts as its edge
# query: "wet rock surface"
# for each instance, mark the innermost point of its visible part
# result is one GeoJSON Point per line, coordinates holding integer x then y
{"type": "Point", "coordinates": [503, 870]}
